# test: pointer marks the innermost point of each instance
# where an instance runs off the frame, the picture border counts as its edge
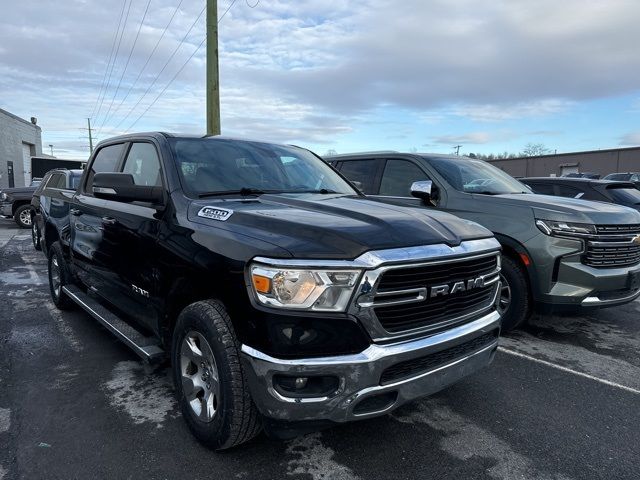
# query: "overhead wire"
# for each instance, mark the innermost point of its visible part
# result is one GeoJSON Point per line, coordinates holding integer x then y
{"type": "Point", "coordinates": [153, 51]}
{"type": "Point", "coordinates": [113, 46]}
{"type": "Point", "coordinates": [178, 72]}
{"type": "Point", "coordinates": [115, 58]}
{"type": "Point", "coordinates": [163, 68]}
{"type": "Point", "coordinates": [124, 71]}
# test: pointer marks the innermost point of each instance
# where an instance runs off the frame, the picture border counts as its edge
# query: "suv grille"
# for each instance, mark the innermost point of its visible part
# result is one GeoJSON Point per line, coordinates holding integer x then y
{"type": "Point", "coordinates": [434, 311]}
{"type": "Point", "coordinates": [613, 246]}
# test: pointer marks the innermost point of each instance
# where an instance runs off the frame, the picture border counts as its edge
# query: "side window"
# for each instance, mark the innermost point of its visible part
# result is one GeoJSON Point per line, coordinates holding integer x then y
{"type": "Point", "coordinates": [571, 192]}
{"type": "Point", "coordinates": [362, 173]}
{"type": "Point", "coordinates": [143, 163]}
{"type": "Point", "coordinates": [398, 176]}
{"type": "Point", "coordinates": [542, 188]}
{"type": "Point", "coordinates": [635, 177]}
{"type": "Point", "coordinates": [106, 160]}
{"type": "Point", "coordinates": [56, 181]}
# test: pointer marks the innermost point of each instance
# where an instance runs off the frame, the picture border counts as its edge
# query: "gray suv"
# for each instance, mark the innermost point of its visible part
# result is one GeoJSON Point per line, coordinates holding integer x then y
{"type": "Point", "coordinates": [558, 253]}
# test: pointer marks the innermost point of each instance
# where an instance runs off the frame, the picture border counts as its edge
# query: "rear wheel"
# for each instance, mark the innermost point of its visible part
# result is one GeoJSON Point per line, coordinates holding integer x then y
{"type": "Point", "coordinates": [22, 216]}
{"type": "Point", "coordinates": [35, 235]}
{"type": "Point", "coordinates": [59, 276]}
{"type": "Point", "coordinates": [210, 383]}
{"type": "Point", "coordinates": [515, 299]}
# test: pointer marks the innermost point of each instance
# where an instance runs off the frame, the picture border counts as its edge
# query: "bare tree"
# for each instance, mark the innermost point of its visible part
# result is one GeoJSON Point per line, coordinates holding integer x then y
{"type": "Point", "coordinates": [330, 153]}
{"type": "Point", "coordinates": [534, 150]}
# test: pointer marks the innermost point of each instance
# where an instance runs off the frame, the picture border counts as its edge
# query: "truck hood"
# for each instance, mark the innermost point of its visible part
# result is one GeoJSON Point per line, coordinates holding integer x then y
{"type": "Point", "coordinates": [334, 226]}
{"type": "Point", "coordinates": [18, 190]}
{"type": "Point", "coordinates": [549, 207]}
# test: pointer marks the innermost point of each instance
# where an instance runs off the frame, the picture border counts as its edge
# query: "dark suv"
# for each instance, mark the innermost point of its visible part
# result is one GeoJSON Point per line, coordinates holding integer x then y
{"type": "Point", "coordinates": [558, 253]}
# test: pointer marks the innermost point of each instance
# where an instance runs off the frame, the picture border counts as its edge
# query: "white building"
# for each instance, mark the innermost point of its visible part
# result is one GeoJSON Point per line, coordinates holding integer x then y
{"type": "Point", "coordinates": [19, 141]}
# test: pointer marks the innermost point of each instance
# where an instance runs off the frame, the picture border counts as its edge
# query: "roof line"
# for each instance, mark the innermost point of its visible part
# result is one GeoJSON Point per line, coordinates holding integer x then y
{"type": "Point", "coordinates": [19, 118]}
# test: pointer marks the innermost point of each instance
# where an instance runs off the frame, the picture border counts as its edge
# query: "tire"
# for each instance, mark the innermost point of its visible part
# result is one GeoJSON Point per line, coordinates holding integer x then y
{"type": "Point", "coordinates": [36, 237]}
{"type": "Point", "coordinates": [59, 276]}
{"type": "Point", "coordinates": [515, 297]}
{"type": "Point", "coordinates": [205, 348]}
{"type": "Point", "coordinates": [22, 216]}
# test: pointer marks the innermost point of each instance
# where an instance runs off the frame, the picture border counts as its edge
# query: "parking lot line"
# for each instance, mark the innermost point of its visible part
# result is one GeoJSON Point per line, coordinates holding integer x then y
{"type": "Point", "coordinates": [569, 370]}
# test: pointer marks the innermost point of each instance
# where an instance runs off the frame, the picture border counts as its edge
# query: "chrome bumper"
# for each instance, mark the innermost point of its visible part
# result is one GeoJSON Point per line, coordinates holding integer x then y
{"type": "Point", "coordinates": [359, 375]}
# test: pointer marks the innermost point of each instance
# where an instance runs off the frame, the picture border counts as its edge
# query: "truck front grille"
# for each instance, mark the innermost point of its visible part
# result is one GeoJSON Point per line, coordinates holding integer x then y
{"type": "Point", "coordinates": [613, 246]}
{"type": "Point", "coordinates": [423, 309]}
{"type": "Point", "coordinates": [416, 366]}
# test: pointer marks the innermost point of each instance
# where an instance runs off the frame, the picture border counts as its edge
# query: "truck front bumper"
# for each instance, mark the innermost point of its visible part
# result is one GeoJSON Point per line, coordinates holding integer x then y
{"type": "Point", "coordinates": [375, 381]}
{"type": "Point", "coordinates": [5, 210]}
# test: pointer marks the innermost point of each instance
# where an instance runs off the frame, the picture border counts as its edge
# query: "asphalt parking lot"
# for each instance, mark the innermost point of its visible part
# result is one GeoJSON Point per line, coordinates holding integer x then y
{"type": "Point", "coordinates": [561, 401]}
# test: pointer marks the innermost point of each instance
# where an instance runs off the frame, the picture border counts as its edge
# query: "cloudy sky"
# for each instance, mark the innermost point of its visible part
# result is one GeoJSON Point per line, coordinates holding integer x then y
{"type": "Point", "coordinates": [346, 75]}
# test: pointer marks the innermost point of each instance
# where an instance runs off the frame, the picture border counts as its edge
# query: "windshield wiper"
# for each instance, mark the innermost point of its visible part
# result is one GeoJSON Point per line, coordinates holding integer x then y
{"type": "Point", "coordinates": [319, 190]}
{"type": "Point", "coordinates": [243, 191]}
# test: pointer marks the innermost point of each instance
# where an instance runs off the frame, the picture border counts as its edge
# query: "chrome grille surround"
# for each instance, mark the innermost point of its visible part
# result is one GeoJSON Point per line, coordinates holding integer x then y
{"type": "Point", "coordinates": [367, 297]}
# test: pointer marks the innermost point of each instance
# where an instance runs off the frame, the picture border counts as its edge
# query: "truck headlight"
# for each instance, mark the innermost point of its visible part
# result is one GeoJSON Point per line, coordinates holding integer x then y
{"type": "Point", "coordinates": [552, 227]}
{"type": "Point", "coordinates": [3, 197]}
{"type": "Point", "coordinates": [303, 288]}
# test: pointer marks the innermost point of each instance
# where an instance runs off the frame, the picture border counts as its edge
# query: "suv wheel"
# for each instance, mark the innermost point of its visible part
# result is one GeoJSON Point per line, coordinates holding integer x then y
{"type": "Point", "coordinates": [23, 216]}
{"type": "Point", "coordinates": [59, 276]}
{"type": "Point", "coordinates": [210, 383]}
{"type": "Point", "coordinates": [515, 300]}
{"type": "Point", "coordinates": [35, 236]}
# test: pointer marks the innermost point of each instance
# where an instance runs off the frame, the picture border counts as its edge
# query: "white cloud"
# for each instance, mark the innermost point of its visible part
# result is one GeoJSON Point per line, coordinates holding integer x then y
{"type": "Point", "coordinates": [630, 139]}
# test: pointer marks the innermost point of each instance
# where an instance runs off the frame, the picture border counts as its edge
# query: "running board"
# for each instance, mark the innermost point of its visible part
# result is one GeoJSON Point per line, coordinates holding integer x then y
{"type": "Point", "coordinates": [148, 348]}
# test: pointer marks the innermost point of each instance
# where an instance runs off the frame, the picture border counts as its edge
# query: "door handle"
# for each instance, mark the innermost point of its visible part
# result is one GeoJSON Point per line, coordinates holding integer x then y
{"type": "Point", "coordinates": [109, 220]}
{"type": "Point", "coordinates": [75, 212]}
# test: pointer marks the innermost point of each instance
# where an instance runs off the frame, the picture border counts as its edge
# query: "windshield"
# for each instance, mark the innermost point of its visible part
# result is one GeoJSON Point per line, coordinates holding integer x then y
{"type": "Point", "coordinates": [618, 176]}
{"type": "Point", "coordinates": [476, 176]}
{"type": "Point", "coordinates": [218, 166]}
{"type": "Point", "coordinates": [625, 196]}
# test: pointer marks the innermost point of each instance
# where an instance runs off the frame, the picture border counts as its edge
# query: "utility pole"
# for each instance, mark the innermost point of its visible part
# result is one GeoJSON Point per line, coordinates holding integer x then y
{"type": "Point", "coordinates": [90, 136]}
{"type": "Point", "coordinates": [213, 79]}
{"type": "Point", "coordinates": [51, 147]}
{"type": "Point", "coordinates": [457, 147]}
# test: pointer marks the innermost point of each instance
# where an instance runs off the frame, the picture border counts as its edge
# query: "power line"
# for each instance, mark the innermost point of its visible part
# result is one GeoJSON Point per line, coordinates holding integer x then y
{"type": "Point", "coordinates": [163, 68]}
{"type": "Point", "coordinates": [115, 58]}
{"type": "Point", "coordinates": [113, 46]}
{"type": "Point", "coordinates": [153, 51]}
{"type": "Point", "coordinates": [167, 85]}
{"type": "Point", "coordinates": [133, 46]}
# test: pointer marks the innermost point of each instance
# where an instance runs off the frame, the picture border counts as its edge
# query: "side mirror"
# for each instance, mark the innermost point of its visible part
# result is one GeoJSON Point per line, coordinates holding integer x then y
{"type": "Point", "coordinates": [422, 189]}
{"type": "Point", "coordinates": [357, 184]}
{"type": "Point", "coordinates": [121, 188]}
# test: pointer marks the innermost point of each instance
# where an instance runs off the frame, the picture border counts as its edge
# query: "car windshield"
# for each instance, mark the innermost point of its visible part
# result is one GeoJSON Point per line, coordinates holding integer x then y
{"type": "Point", "coordinates": [625, 196]}
{"type": "Point", "coordinates": [476, 176]}
{"type": "Point", "coordinates": [219, 166]}
{"type": "Point", "coordinates": [618, 176]}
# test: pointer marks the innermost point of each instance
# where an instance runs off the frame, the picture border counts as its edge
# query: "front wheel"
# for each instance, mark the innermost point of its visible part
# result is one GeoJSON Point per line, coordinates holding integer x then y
{"type": "Point", "coordinates": [23, 216]}
{"type": "Point", "coordinates": [515, 300]}
{"type": "Point", "coordinates": [210, 383]}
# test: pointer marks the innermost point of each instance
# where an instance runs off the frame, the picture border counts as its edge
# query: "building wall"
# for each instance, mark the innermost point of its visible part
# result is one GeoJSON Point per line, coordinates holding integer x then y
{"type": "Point", "coordinates": [598, 161]}
{"type": "Point", "coordinates": [18, 138]}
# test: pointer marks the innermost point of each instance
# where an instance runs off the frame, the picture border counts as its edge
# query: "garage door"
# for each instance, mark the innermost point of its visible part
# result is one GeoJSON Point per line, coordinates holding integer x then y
{"type": "Point", "coordinates": [26, 163]}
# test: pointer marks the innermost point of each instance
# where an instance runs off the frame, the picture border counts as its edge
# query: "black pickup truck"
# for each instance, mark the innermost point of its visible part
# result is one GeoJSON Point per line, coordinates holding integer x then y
{"type": "Point", "coordinates": [284, 298]}
{"type": "Point", "coordinates": [14, 203]}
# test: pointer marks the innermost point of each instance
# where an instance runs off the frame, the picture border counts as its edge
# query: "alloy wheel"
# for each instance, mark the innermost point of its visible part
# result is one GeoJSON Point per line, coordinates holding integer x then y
{"type": "Point", "coordinates": [505, 296]}
{"type": "Point", "coordinates": [25, 217]}
{"type": "Point", "coordinates": [56, 283]}
{"type": "Point", "coordinates": [199, 376]}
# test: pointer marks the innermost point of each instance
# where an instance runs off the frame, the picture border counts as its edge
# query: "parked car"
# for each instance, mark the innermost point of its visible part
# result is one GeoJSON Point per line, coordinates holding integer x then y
{"type": "Point", "coordinates": [622, 193]}
{"type": "Point", "coordinates": [558, 253]}
{"type": "Point", "coordinates": [51, 200]}
{"type": "Point", "coordinates": [15, 203]}
{"type": "Point", "coordinates": [633, 177]}
{"type": "Point", "coordinates": [284, 297]}
{"type": "Point", "coordinates": [591, 175]}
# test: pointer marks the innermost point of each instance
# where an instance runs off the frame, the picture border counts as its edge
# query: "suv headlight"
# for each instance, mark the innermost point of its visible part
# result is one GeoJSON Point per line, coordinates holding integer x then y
{"type": "Point", "coordinates": [552, 227]}
{"type": "Point", "coordinates": [322, 290]}
{"type": "Point", "coordinates": [3, 196]}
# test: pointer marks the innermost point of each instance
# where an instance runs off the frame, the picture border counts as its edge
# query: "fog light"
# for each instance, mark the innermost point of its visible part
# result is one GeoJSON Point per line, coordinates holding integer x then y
{"type": "Point", "coordinates": [305, 387]}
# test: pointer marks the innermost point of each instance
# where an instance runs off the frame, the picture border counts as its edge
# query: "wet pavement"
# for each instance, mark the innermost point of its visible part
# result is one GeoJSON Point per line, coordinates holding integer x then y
{"type": "Point", "coordinates": [561, 401]}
